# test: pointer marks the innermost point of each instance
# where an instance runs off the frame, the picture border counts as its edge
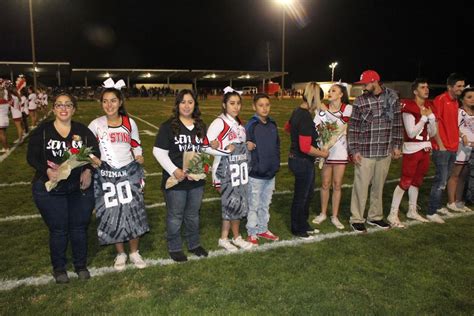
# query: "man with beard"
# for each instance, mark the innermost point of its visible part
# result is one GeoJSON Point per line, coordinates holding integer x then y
{"type": "Point", "coordinates": [445, 143]}
{"type": "Point", "coordinates": [375, 137]}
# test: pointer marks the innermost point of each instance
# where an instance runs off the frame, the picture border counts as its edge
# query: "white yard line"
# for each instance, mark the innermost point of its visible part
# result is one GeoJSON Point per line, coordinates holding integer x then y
{"type": "Point", "coordinates": [19, 218]}
{"type": "Point", "coordinates": [146, 122]}
{"type": "Point", "coordinates": [10, 284]}
{"type": "Point", "coordinates": [14, 184]}
{"type": "Point", "coordinates": [155, 205]}
{"type": "Point", "coordinates": [5, 155]}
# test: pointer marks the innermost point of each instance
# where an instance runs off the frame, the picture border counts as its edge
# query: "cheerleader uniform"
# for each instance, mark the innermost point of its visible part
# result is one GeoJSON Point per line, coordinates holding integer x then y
{"type": "Point", "coordinates": [338, 153]}
{"type": "Point", "coordinates": [16, 108]}
{"type": "Point", "coordinates": [119, 182]}
{"type": "Point", "coordinates": [32, 105]}
{"type": "Point", "coordinates": [4, 109]}
{"type": "Point", "coordinates": [466, 127]}
{"type": "Point", "coordinates": [227, 131]}
{"type": "Point", "coordinates": [39, 100]}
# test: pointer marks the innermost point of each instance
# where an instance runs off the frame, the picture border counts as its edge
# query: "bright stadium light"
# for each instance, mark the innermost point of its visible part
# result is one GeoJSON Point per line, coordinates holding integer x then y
{"type": "Point", "coordinates": [332, 66]}
{"type": "Point", "coordinates": [285, 2]}
{"type": "Point", "coordinates": [148, 75]}
{"type": "Point", "coordinates": [284, 5]}
{"type": "Point", "coordinates": [36, 69]}
{"type": "Point", "coordinates": [107, 75]}
{"type": "Point", "coordinates": [32, 36]}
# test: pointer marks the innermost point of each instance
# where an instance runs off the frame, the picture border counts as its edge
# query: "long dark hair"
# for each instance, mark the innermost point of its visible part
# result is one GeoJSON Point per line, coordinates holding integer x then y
{"type": "Point", "coordinates": [119, 95]}
{"type": "Point", "coordinates": [196, 115]}
{"type": "Point", "coordinates": [345, 94]}
{"type": "Point", "coordinates": [226, 98]}
{"type": "Point", "coordinates": [464, 92]}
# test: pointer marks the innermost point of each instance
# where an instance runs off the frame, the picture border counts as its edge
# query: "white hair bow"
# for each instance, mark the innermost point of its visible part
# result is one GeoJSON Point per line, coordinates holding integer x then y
{"type": "Point", "coordinates": [344, 84]}
{"type": "Point", "coordinates": [109, 83]}
{"type": "Point", "coordinates": [230, 89]}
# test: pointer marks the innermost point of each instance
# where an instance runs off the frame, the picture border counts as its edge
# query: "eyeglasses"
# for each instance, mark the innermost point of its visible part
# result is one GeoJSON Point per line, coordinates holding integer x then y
{"type": "Point", "coordinates": [67, 105]}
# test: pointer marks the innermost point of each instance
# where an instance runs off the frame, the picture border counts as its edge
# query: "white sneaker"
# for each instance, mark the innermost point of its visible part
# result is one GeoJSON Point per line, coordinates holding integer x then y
{"type": "Point", "coordinates": [319, 219]}
{"type": "Point", "coordinates": [463, 206]}
{"type": "Point", "coordinates": [435, 218]}
{"type": "Point", "coordinates": [413, 214]}
{"type": "Point", "coordinates": [240, 242]}
{"type": "Point", "coordinates": [137, 260]}
{"type": "Point", "coordinates": [313, 232]}
{"type": "Point", "coordinates": [394, 220]}
{"type": "Point", "coordinates": [120, 261]}
{"type": "Point", "coordinates": [444, 211]}
{"type": "Point", "coordinates": [453, 207]}
{"type": "Point", "coordinates": [335, 221]}
{"type": "Point", "coordinates": [227, 245]}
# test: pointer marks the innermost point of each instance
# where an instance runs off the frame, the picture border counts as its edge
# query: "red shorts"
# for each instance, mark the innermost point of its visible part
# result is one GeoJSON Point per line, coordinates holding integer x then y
{"type": "Point", "coordinates": [414, 168]}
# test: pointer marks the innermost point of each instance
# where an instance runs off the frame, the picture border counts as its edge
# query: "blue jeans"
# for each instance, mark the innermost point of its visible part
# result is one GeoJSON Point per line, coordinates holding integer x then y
{"type": "Point", "coordinates": [67, 215]}
{"type": "Point", "coordinates": [303, 169]}
{"type": "Point", "coordinates": [443, 161]}
{"type": "Point", "coordinates": [183, 206]}
{"type": "Point", "coordinates": [260, 197]}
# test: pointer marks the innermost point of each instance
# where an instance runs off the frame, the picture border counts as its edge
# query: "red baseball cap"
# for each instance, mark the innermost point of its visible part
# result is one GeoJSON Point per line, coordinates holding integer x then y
{"type": "Point", "coordinates": [368, 76]}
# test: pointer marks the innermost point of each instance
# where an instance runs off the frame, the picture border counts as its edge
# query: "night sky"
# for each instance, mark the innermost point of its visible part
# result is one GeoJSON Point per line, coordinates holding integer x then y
{"type": "Point", "coordinates": [400, 39]}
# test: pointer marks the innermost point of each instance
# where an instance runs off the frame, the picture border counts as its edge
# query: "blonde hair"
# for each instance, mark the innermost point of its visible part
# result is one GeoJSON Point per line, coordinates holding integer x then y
{"type": "Point", "coordinates": [311, 95]}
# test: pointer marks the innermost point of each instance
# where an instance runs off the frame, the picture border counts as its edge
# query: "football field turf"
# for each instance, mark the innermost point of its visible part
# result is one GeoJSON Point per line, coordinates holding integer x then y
{"type": "Point", "coordinates": [424, 269]}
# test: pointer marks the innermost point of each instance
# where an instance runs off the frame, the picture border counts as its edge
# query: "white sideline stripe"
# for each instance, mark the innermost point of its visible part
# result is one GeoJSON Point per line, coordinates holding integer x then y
{"type": "Point", "coordinates": [146, 122]}
{"type": "Point", "coordinates": [152, 174]}
{"type": "Point", "coordinates": [5, 155]}
{"type": "Point", "coordinates": [34, 216]}
{"type": "Point", "coordinates": [7, 285]}
{"type": "Point", "coordinates": [19, 218]}
{"type": "Point", "coordinates": [274, 193]}
{"type": "Point", "coordinates": [13, 184]}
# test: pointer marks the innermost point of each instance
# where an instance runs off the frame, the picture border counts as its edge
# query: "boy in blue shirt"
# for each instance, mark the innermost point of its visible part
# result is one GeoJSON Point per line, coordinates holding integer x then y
{"type": "Point", "coordinates": [264, 145]}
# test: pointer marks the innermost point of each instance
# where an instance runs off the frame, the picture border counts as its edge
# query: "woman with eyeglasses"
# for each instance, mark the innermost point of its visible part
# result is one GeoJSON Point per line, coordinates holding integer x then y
{"type": "Point", "coordinates": [67, 209]}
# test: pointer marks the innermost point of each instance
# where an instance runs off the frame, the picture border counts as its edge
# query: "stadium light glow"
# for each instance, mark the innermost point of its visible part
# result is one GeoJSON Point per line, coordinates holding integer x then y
{"type": "Point", "coordinates": [285, 2]}
{"type": "Point", "coordinates": [332, 66]}
{"type": "Point", "coordinates": [148, 75]}
{"type": "Point", "coordinates": [210, 76]}
{"type": "Point", "coordinates": [247, 76]}
{"type": "Point", "coordinates": [107, 75]}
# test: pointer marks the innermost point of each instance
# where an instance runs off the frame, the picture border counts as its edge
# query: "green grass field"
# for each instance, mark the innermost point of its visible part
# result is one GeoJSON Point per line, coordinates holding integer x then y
{"type": "Point", "coordinates": [424, 269]}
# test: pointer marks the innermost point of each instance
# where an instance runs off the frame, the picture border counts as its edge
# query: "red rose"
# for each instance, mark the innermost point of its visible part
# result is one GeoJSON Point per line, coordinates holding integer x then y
{"type": "Point", "coordinates": [206, 168]}
{"type": "Point", "coordinates": [74, 151]}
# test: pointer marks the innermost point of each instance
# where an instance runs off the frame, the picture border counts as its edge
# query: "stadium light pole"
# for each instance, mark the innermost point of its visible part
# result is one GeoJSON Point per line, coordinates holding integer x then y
{"type": "Point", "coordinates": [332, 66]}
{"type": "Point", "coordinates": [284, 4]}
{"type": "Point", "coordinates": [32, 43]}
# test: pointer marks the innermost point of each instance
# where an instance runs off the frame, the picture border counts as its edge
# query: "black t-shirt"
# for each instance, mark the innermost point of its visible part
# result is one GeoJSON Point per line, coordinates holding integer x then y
{"type": "Point", "coordinates": [302, 124]}
{"type": "Point", "coordinates": [47, 144]}
{"type": "Point", "coordinates": [186, 140]}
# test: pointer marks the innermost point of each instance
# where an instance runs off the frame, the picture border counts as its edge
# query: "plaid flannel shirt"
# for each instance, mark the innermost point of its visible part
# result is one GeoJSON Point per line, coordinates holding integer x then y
{"type": "Point", "coordinates": [372, 132]}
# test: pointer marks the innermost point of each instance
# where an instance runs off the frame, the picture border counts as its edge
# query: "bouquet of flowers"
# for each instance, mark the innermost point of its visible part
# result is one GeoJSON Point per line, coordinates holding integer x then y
{"type": "Point", "coordinates": [195, 165]}
{"type": "Point", "coordinates": [73, 158]}
{"type": "Point", "coordinates": [329, 133]}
